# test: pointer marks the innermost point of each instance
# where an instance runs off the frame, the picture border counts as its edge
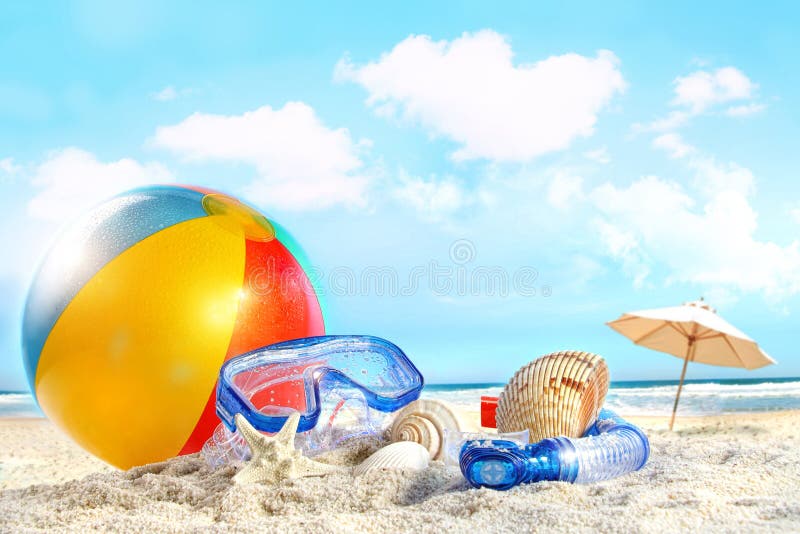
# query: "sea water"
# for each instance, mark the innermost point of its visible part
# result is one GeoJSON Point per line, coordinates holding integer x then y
{"type": "Point", "coordinates": [656, 397]}
{"type": "Point", "coordinates": [645, 397]}
{"type": "Point", "coordinates": [18, 404]}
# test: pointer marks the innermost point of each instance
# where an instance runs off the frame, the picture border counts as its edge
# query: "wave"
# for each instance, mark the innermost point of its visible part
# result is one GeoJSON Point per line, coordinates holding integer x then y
{"type": "Point", "coordinates": [468, 398]}
{"type": "Point", "coordinates": [18, 405]}
{"type": "Point", "coordinates": [703, 398]}
{"type": "Point", "coordinates": [697, 398]}
{"type": "Point", "coordinates": [764, 389]}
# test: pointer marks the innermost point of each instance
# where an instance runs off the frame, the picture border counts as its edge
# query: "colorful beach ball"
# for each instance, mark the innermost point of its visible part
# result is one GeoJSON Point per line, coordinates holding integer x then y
{"type": "Point", "coordinates": [138, 304]}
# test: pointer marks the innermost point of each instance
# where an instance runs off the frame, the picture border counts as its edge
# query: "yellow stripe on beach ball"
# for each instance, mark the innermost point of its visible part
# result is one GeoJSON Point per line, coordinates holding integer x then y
{"type": "Point", "coordinates": [143, 340]}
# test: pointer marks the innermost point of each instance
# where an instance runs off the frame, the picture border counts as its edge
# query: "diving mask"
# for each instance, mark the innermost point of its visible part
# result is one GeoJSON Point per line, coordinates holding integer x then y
{"type": "Point", "coordinates": [335, 382]}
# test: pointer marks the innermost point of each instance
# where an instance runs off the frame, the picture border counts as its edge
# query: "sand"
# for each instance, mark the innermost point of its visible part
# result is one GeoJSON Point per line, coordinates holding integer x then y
{"type": "Point", "coordinates": [725, 473]}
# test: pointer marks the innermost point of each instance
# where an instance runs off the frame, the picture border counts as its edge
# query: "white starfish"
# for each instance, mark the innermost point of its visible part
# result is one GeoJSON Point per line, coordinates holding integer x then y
{"type": "Point", "coordinates": [274, 457]}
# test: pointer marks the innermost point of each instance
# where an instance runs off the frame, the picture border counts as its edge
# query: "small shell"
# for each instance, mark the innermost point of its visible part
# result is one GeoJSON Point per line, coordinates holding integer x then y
{"type": "Point", "coordinates": [400, 455]}
{"type": "Point", "coordinates": [558, 394]}
{"type": "Point", "coordinates": [424, 421]}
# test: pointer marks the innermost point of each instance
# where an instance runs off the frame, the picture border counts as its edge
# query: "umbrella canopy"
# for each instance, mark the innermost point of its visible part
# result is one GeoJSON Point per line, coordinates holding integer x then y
{"type": "Point", "coordinates": [693, 332]}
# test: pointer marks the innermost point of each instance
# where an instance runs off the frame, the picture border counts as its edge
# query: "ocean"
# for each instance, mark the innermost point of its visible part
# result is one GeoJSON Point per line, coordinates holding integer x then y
{"type": "Point", "coordinates": [644, 397]}
{"type": "Point", "coordinates": [656, 397]}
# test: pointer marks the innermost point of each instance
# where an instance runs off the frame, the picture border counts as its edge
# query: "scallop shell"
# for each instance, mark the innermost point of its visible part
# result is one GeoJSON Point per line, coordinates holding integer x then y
{"type": "Point", "coordinates": [559, 394]}
{"type": "Point", "coordinates": [424, 421]}
{"type": "Point", "coordinates": [400, 455]}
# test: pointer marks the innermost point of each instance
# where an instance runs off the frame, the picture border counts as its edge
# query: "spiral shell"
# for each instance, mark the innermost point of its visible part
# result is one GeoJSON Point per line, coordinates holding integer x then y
{"type": "Point", "coordinates": [424, 421]}
{"type": "Point", "coordinates": [400, 455]}
{"type": "Point", "coordinates": [559, 394]}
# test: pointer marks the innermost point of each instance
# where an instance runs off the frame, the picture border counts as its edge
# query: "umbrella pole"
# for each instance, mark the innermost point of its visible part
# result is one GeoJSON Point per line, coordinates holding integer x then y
{"type": "Point", "coordinates": [680, 384]}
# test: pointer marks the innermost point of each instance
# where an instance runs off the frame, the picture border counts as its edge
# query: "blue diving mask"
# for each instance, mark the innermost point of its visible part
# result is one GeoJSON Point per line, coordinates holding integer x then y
{"type": "Point", "coordinates": [335, 382]}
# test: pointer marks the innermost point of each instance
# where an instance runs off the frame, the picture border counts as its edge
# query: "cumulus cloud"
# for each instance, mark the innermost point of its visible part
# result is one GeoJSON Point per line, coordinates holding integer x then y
{"type": "Point", "coordinates": [70, 180]}
{"type": "Point", "coordinates": [712, 177]}
{"type": "Point", "coordinates": [745, 110]}
{"type": "Point", "coordinates": [702, 89]}
{"type": "Point", "coordinates": [433, 199]}
{"type": "Point", "coordinates": [564, 189]}
{"type": "Point", "coordinates": [654, 223]}
{"type": "Point", "coordinates": [623, 245]}
{"type": "Point", "coordinates": [794, 213]}
{"type": "Point", "coordinates": [706, 91]}
{"type": "Point", "coordinates": [673, 121]}
{"type": "Point", "coordinates": [470, 90]}
{"type": "Point", "coordinates": [581, 270]}
{"type": "Point", "coordinates": [600, 155]}
{"type": "Point", "coordinates": [301, 163]}
{"type": "Point", "coordinates": [9, 167]}
{"type": "Point", "coordinates": [166, 94]}
{"type": "Point", "coordinates": [9, 170]}
{"type": "Point", "coordinates": [170, 92]}
{"type": "Point", "coordinates": [673, 144]}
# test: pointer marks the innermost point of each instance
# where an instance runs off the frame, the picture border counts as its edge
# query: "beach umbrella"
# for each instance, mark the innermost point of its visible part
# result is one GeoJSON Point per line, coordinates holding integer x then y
{"type": "Point", "coordinates": [693, 332]}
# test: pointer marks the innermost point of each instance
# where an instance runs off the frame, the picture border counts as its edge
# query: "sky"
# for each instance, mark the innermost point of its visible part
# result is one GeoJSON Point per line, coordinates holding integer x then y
{"type": "Point", "coordinates": [516, 174]}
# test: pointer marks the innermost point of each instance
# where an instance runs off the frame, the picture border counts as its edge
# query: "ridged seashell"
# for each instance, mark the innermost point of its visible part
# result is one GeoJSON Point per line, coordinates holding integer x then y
{"type": "Point", "coordinates": [400, 455]}
{"type": "Point", "coordinates": [559, 394]}
{"type": "Point", "coordinates": [424, 421]}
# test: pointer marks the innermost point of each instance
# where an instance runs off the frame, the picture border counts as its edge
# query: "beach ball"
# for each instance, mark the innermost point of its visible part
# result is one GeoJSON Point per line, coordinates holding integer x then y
{"type": "Point", "coordinates": [137, 305]}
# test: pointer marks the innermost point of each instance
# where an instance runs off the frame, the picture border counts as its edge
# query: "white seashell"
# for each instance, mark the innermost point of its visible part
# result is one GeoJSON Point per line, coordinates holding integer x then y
{"type": "Point", "coordinates": [558, 394]}
{"type": "Point", "coordinates": [424, 421]}
{"type": "Point", "coordinates": [400, 455]}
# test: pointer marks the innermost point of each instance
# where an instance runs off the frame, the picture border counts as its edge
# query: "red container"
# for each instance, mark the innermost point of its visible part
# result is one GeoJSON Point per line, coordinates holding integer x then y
{"type": "Point", "coordinates": [488, 408]}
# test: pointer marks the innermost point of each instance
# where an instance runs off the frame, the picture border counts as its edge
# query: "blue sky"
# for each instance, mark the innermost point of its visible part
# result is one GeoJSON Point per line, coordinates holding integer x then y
{"type": "Point", "coordinates": [633, 156]}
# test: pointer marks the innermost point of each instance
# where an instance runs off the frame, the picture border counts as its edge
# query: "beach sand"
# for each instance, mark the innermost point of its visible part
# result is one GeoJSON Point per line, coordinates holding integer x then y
{"type": "Point", "coordinates": [722, 473]}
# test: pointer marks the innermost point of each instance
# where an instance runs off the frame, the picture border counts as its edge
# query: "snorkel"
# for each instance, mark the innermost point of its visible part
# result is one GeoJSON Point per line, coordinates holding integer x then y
{"type": "Point", "coordinates": [611, 447]}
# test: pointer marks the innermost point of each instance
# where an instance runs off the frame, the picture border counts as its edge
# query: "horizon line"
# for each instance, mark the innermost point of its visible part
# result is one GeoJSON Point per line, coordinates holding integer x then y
{"type": "Point", "coordinates": [762, 378]}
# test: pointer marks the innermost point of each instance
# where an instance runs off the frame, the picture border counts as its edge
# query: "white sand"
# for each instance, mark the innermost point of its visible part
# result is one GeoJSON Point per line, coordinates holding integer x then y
{"type": "Point", "coordinates": [714, 474]}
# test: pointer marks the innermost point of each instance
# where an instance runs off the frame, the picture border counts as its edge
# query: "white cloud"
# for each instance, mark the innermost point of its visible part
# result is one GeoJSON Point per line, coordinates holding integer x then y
{"type": "Point", "coordinates": [673, 144]}
{"type": "Point", "coordinates": [581, 271]}
{"type": "Point", "coordinates": [623, 246]}
{"type": "Point", "coordinates": [745, 110]}
{"type": "Point", "coordinates": [700, 233]}
{"type": "Point", "coordinates": [712, 177]}
{"type": "Point", "coordinates": [166, 94]}
{"type": "Point", "coordinates": [794, 213]}
{"type": "Point", "coordinates": [721, 297]}
{"type": "Point", "coordinates": [654, 223]}
{"type": "Point", "coordinates": [8, 170]}
{"type": "Point", "coordinates": [699, 62]}
{"type": "Point", "coordinates": [170, 92]}
{"type": "Point", "coordinates": [433, 199]}
{"type": "Point", "coordinates": [71, 180]}
{"type": "Point", "coordinates": [7, 166]}
{"type": "Point", "coordinates": [302, 164]}
{"type": "Point", "coordinates": [600, 155]}
{"type": "Point", "coordinates": [704, 91]}
{"type": "Point", "coordinates": [706, 238]}
{"type": "Point", "coordinates": [673, 120]}
{"type": "Point", "coordinates": [470, 91]}
{"type": "Point", "coordinates": [564, 189]}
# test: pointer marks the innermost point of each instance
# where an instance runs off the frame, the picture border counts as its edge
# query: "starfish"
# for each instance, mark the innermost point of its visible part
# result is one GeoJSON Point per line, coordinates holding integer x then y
{"type": "Point", "coordinates": [274, 457]}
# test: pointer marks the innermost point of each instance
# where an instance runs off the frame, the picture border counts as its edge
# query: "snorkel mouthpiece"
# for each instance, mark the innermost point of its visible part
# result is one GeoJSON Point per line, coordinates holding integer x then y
{"type": "Point", "coordinates": [501, 465]}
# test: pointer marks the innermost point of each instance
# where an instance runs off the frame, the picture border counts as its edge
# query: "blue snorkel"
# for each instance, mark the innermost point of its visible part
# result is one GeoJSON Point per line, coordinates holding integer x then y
{"type": "Point", "coordinates": [610, 448]}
